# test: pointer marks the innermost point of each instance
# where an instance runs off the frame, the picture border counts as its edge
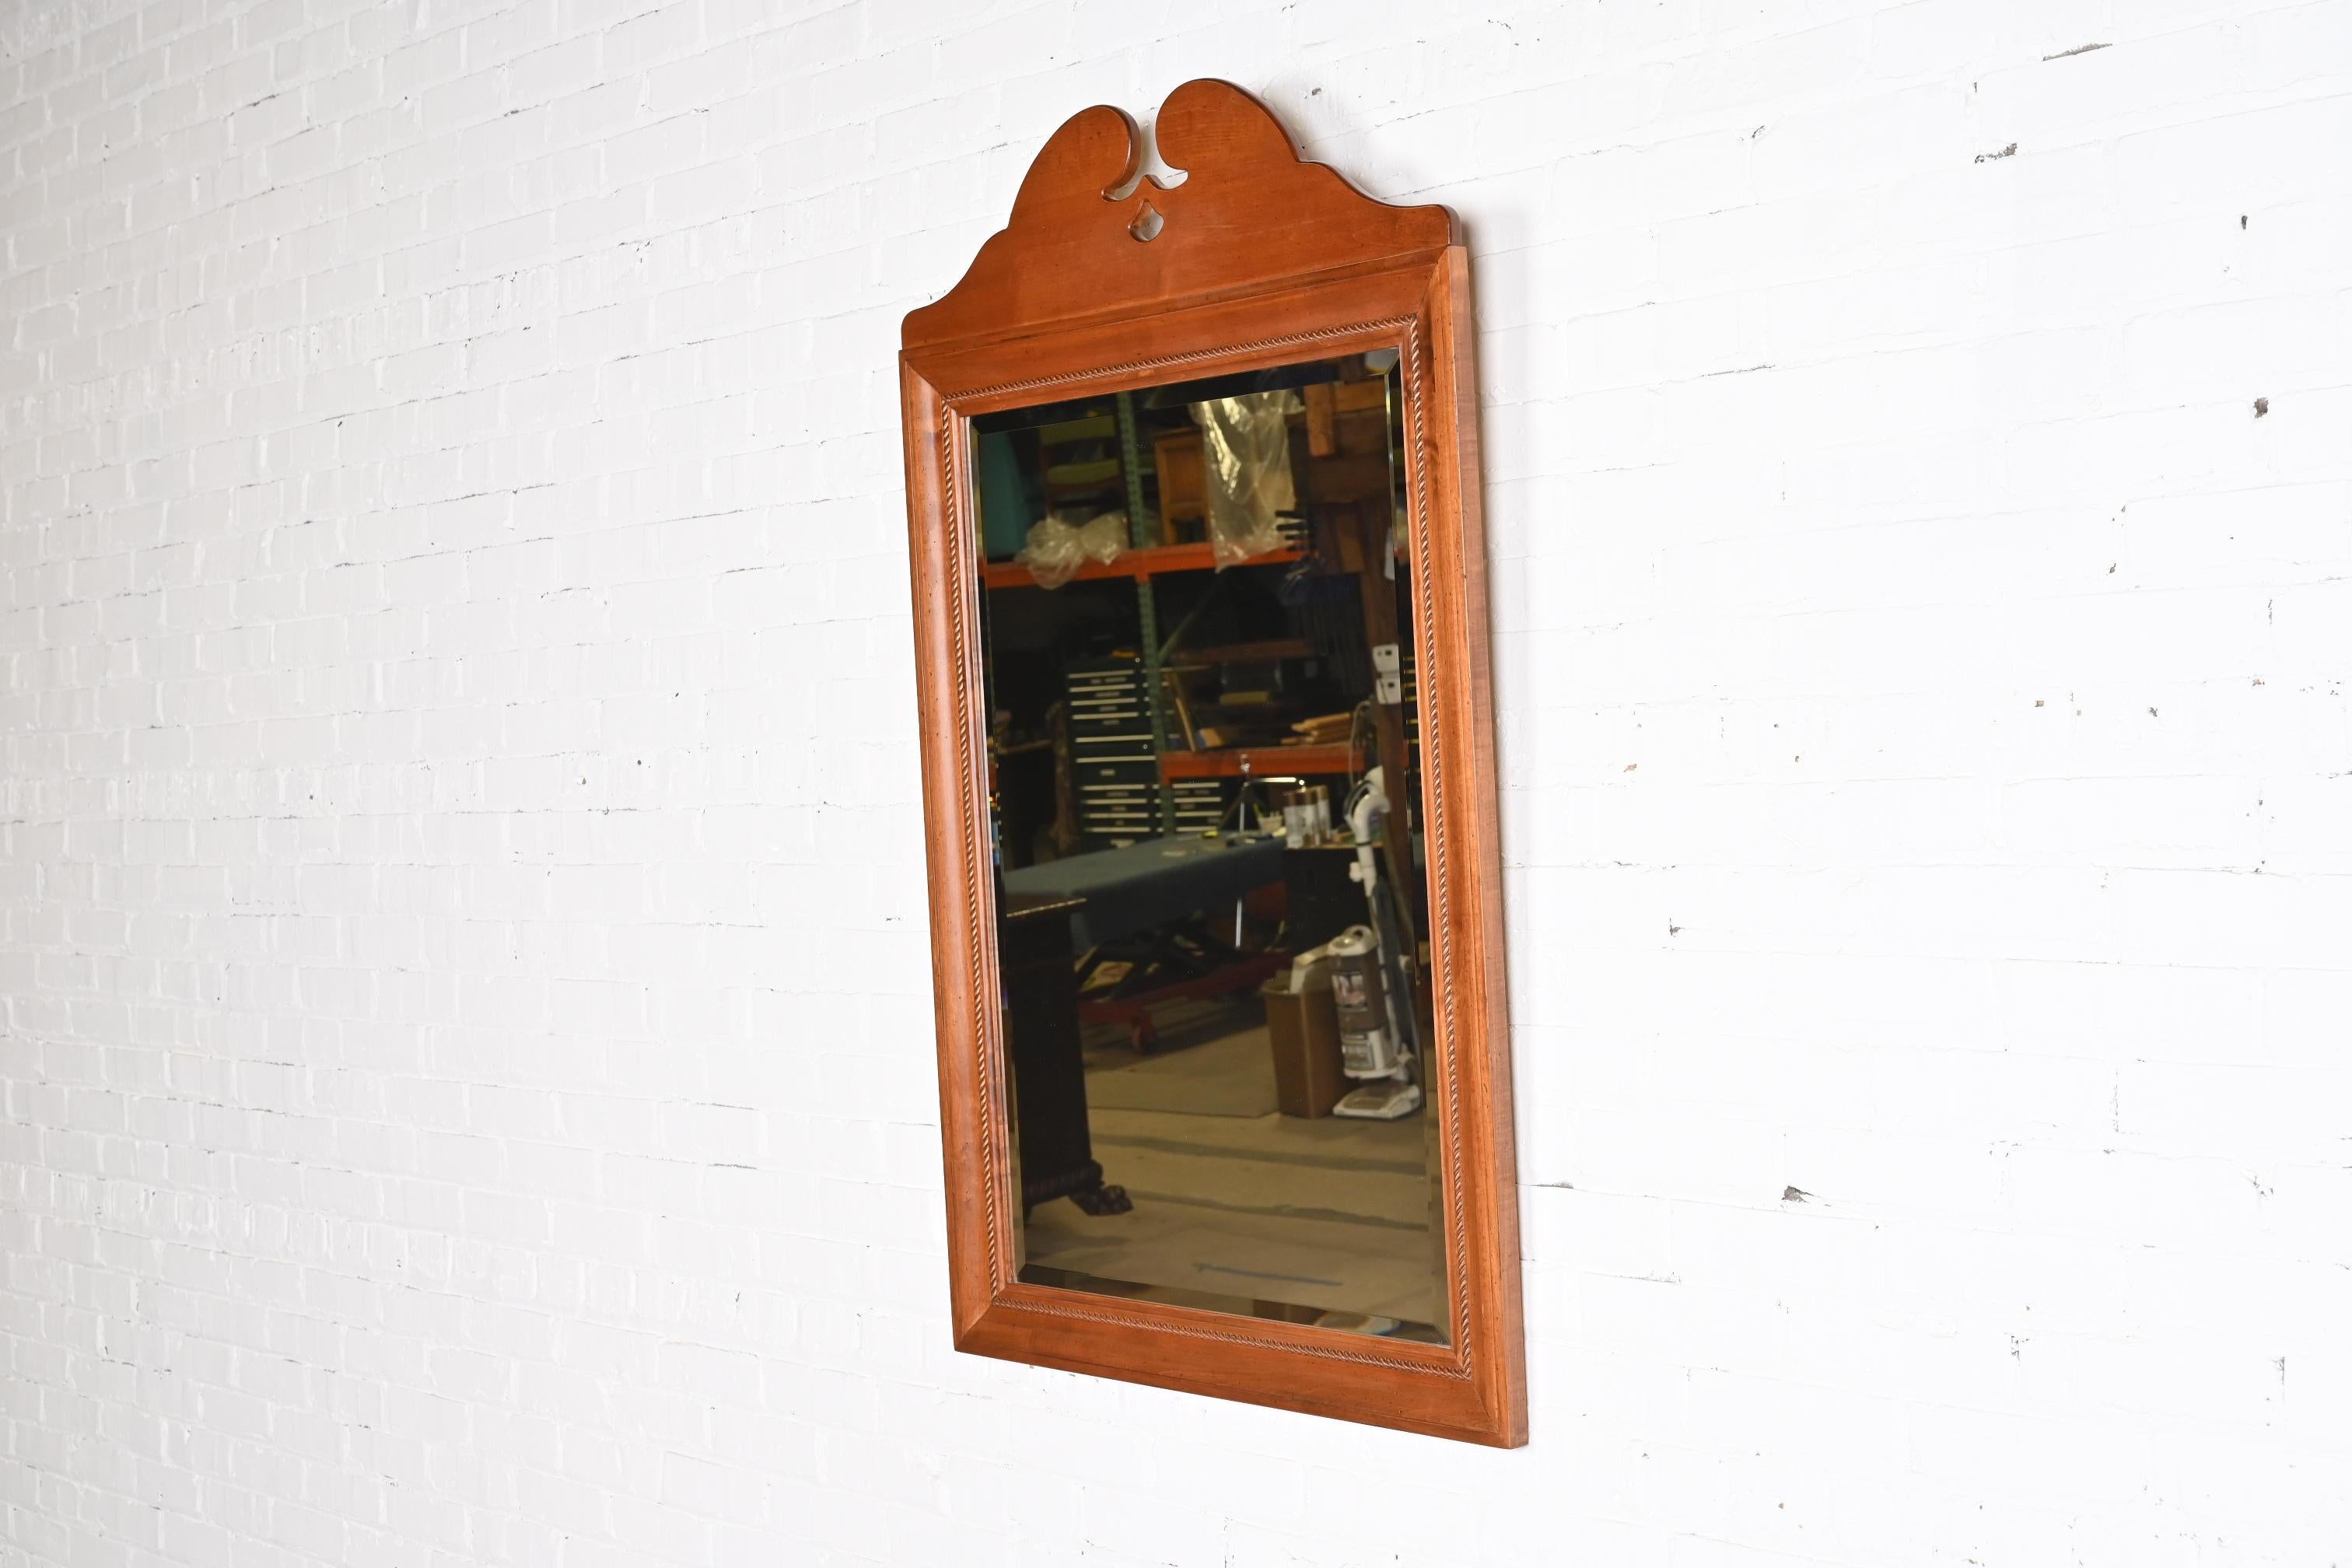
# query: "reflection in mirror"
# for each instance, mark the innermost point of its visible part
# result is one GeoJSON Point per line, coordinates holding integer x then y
{"type": "Point", "coordinates": [1205, 799]}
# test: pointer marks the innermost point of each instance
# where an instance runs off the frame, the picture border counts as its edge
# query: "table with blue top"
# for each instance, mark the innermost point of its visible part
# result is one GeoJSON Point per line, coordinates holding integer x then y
{"type": "Point", "coordinates": [1150, 888]}
{"type": "Point", "coordinates": [1152, 882]}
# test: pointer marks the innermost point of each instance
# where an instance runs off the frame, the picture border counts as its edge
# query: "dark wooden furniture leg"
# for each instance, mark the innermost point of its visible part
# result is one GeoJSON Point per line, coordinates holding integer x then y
{"type": "Point", "coordinates": [1041, 1008]}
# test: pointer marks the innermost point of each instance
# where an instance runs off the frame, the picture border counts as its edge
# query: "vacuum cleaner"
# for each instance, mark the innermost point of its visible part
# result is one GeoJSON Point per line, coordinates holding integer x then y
{"type": "Point", "coordinates": [1370, 983]}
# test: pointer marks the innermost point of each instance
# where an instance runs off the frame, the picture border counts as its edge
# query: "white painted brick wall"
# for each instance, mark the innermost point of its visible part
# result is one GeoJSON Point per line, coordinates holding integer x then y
{"type": "Point", "coordinates": [466, 1057]}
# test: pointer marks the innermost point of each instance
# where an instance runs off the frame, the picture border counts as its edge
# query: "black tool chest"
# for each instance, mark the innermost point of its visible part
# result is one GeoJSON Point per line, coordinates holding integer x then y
{"type": "Point", "coordinates": [1116, 770]}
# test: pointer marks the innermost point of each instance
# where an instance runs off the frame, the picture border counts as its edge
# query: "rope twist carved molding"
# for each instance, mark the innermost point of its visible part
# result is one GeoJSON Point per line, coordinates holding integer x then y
{"type": "Point", "coordinates": [960, 637]}
{"type": "Point", "coordinates": [1424, 593]}
{"type": "Point", "coordinates": [1193, 357]}
{"type": "Point", "coordinates": [963, 654]}
{"type": "Point", "coordinates": [1367, 1356]}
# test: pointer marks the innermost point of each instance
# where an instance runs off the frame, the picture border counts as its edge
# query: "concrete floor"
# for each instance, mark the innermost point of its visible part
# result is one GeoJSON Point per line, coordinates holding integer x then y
{"type": "Point", "coordinates": [1242, 1209]}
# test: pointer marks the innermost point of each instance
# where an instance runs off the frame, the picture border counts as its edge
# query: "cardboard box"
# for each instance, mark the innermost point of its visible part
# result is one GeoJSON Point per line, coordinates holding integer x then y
{"type": "Point", "coordinates": [1303, 1029]}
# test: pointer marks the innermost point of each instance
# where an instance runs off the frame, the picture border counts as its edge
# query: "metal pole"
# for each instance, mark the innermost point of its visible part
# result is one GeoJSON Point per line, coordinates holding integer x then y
{"type": "Point", "coordinates": [1147, 606]}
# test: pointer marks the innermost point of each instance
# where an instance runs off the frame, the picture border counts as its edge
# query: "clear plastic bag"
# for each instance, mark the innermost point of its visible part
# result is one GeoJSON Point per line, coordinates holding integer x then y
{"type": "Point", "coordinates": [1246, 455]}
{"type": "Point", "coordinates": [1056, 547]}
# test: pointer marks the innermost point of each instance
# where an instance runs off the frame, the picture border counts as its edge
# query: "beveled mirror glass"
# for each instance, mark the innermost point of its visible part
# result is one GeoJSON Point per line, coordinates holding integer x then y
{"type": "Point", "coordinates": [1196, 614]}
{"type": "Point", "coordinates": [1208, 785]}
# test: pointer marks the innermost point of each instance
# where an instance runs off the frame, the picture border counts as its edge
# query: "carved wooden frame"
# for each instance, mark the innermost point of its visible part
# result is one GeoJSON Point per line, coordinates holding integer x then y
{"type": "Point", "coordinates": [1260, 256]}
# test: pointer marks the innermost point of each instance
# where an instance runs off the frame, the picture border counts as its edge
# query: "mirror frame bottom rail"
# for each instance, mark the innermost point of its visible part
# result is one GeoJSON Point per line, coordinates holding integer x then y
{"type": "Point", "coordinates": [1259, 259]}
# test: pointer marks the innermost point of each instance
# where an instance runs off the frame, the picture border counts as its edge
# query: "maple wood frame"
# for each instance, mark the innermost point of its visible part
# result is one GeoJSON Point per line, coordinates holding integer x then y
{"type": "Point", "coordinates": [1261, 259]}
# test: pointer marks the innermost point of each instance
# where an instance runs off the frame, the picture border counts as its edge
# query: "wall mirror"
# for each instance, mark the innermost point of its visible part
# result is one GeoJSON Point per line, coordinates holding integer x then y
{"type": "Point", "coordinates": [1208, 785]}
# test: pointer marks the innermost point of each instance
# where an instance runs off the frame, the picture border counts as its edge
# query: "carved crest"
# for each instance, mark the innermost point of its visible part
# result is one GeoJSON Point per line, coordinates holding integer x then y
{"type": "Point", "coordinates": [1080, 242]}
